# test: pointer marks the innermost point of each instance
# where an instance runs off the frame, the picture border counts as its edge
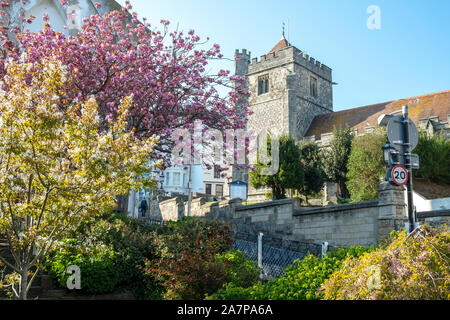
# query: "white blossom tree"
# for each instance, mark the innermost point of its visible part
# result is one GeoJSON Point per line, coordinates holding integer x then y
{"type": "Point", "coordinates": [58, 165]}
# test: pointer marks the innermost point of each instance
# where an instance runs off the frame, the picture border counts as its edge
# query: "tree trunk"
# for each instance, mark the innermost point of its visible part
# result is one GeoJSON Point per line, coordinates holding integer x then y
{"type": "Point", "coordinates": [23, 284]}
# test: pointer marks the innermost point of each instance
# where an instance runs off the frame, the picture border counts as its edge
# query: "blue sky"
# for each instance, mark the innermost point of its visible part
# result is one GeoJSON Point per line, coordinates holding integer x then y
{"type": "Point", "coordinates": [409, 56]}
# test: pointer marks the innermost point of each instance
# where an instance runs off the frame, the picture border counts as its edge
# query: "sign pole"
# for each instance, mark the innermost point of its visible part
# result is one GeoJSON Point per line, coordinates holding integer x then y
{"type": "Point", "coordinates": [190, 190]}
{"type": "Point", "coordinates": [409, 185]}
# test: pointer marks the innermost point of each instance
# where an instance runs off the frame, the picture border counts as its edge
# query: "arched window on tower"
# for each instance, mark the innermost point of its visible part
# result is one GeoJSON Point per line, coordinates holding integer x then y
{"type": "Point", "coordinates": [263, 84]}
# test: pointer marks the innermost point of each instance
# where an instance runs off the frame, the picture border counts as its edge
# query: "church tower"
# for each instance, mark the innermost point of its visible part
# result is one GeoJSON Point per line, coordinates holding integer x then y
{"type": "Point", "coordinates": [288, 88]}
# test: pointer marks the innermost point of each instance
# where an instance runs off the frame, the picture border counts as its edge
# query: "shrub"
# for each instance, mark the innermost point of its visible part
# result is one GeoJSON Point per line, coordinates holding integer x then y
{"type": "Point", "coordinates": [239, 271]}
{"type": "Point", "coordinates": [434, 153]}
{"type": "Point", "coordinates": [186, 263]}
{"type": "Point", "coordinates": [366, 167]}
{"type": "Point", "coordinates": [416, 267]}
{"type": "Point", "coordinates": [133, 243]}
{"type": "Point", "coordinates": [129, 240]}
{"type": "Point", "coordinates": [97, 264]}
{"type": "Point", "coordinates": [300, 282]}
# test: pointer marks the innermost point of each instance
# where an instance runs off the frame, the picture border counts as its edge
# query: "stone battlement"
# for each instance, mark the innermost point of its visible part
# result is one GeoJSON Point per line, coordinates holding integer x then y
{"type": "Point", "coordinates": [242, 52]}
{"type": "Point", "coordinates": [289, 55]}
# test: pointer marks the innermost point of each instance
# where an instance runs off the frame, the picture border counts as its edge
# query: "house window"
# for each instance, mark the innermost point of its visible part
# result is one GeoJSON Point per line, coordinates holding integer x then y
{"type": "Point", "coordinates": [208, 188]}
{"type": "Point", "coordinates": [168, 179]}
{"type": "Point", "coordinates": [176, 179]}
{"type": "Point", "coordinates": [263, 84]}
{"type": "Point", "coordinates": [219, 190]}
{"type": "Point", "coordinates": [313, 87]}
{"type": "Point", "coordinates": [216, 171]}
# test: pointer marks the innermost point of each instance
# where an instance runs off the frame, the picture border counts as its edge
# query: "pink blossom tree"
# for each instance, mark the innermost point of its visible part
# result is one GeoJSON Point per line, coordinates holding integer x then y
{"type": "Point", "coordinates": [115, 56]}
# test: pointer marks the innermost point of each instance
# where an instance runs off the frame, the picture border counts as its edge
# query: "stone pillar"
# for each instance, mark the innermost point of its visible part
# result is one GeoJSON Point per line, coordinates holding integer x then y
{"type": "Point", "coordinates": [131, 203]}
{"type": "Point", "coordinates": [330, 193]}
{"type": "Point", "coordinates": [392, 213]}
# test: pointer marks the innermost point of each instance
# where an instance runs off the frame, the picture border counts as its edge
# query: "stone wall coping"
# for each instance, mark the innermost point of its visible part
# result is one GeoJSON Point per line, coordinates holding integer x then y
{"type": "Point", "coordinates": [336, 208]}
{"type": "Point", "coordinates": [264, 204]}
{"type": "Point", "coordinates": [176, 200]}
{"type": "Point", "coordinates": [433, 214]}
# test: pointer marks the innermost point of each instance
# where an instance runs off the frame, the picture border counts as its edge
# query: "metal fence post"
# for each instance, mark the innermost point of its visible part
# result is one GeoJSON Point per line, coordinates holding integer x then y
{"type": "Point", "coordinates": [260, 254]}
{"type": "Point", "coordinates": [324, 249]}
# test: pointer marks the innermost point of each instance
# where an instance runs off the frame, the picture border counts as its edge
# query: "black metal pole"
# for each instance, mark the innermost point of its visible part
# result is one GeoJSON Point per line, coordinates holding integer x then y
{"type": "Point", "coordinates": [408, 165]}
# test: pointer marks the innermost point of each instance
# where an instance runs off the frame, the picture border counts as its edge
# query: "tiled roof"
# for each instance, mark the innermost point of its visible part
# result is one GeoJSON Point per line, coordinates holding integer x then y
{"type": "Point", "coordinates": [430, 105]}
{"type": "Point", "coordinates": [283, 43]}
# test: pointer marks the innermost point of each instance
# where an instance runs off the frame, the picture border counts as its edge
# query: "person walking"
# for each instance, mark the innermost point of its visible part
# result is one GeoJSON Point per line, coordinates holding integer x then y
{"type": "Point", "coordinates": [143, 207]}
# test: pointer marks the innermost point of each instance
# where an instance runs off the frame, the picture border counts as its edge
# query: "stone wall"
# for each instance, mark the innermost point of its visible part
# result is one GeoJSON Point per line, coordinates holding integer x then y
{"type": "Point", "coordinates": [339, 225]}
{"type": "Point", "coordinates": [363, 223]}
{"type": "Point", "coordinates": [435, 218]}
{"type": "Point", "coordinates": [172, 209]}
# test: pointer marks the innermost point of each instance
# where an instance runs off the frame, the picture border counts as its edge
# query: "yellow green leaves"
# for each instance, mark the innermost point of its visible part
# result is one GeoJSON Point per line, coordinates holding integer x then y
{"type": "Point", "coordinates": [408, 268]}
{"type": "Point", "coordinates": [60, 163]}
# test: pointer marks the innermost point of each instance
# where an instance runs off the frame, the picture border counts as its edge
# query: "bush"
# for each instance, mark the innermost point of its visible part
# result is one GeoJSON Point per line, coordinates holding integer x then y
{"type": "Point", "coordinates": [128, 240]}
{"type": "Point", "coordinates": [300, 282]}
{"type": "Point", "coordinates": [186, 263]}
{"type": "Point", "coordinates": [434, 153]}
{"type": "Point", "coordinates": [366, 167]}
{"type": "Point", "coordinates": [239, 271]}
{"type": "Point", "coordinates": [409, 268]}
{"type": "Point", "coordinates": [133, 243]}
{"type": "Point", "coordinates": [97, 265]}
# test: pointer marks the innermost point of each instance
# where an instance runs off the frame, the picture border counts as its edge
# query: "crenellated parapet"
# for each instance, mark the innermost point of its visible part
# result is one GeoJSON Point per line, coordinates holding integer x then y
{"type": "Point", "coordinates": [290, 55]}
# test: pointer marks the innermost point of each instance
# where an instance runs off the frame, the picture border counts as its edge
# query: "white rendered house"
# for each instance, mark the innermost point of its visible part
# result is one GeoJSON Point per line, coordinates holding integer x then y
{"type": "Point", "coordinates": [65, 19]}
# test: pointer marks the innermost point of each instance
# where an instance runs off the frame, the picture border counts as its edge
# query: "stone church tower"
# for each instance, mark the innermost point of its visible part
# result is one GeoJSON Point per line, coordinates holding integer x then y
{"type": "Point", "coordinates": [288, 89]}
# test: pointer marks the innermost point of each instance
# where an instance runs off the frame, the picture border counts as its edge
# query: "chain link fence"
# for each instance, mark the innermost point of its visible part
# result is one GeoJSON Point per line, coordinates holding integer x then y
{"type": "Point", "coordinates": [274, 255]}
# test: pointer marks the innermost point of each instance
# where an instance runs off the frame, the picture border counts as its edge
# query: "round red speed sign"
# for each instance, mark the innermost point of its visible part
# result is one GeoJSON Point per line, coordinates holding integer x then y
{"type": "Point", "coordinates": [399, 175]}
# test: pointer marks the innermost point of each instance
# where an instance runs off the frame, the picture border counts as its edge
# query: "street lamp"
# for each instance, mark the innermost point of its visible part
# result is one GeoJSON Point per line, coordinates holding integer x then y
{"type": "Point", "coordinates": [161, 179]}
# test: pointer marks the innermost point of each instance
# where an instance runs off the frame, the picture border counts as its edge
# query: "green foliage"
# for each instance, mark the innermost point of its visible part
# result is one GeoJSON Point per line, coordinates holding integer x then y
{"type": "Point", "coordinates": [366, 167]}
{"type": "Point", "coordinates": [131, 243]}
{"type": "Point", "coordinates": [336, 157]}
{"type": "Point", "coordinates": [240, 271]}
{"type": "Point", "coordinates": [434, 153]}
{"type": "Point", "coordinates": [185, 262]}
{"type": "Point", "coordinates": [301, 281]}
{"type": "Point", "coordinates": [290, 174]}
{"type": "Point", "coordinates": [409, 268]}
{"type": "Point", "coordinates": [311, 162]}
{"type": "Point", "coordinates": [95, 262]}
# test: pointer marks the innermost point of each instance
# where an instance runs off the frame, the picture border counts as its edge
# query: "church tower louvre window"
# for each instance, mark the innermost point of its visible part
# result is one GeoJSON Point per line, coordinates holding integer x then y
{"type": "Point", "coordinates": [313, 87]}
{"type": "Point", "coordinates": [263, 84]}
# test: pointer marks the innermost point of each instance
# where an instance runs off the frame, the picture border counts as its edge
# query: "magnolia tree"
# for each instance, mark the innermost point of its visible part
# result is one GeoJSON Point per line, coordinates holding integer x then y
{"type": "Point", "coordinates": [115, 56]}
{"type": "Point", "coordinates": [58, 166]}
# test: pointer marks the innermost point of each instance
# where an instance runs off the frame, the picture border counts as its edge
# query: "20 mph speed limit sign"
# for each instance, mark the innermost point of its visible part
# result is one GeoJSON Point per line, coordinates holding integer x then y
{"type": "Point", "coordinates": [400, 175]}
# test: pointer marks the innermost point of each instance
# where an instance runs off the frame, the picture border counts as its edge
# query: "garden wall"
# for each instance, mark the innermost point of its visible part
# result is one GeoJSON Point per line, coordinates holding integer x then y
{"type": "Point", "coordinates": [361, 223]}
